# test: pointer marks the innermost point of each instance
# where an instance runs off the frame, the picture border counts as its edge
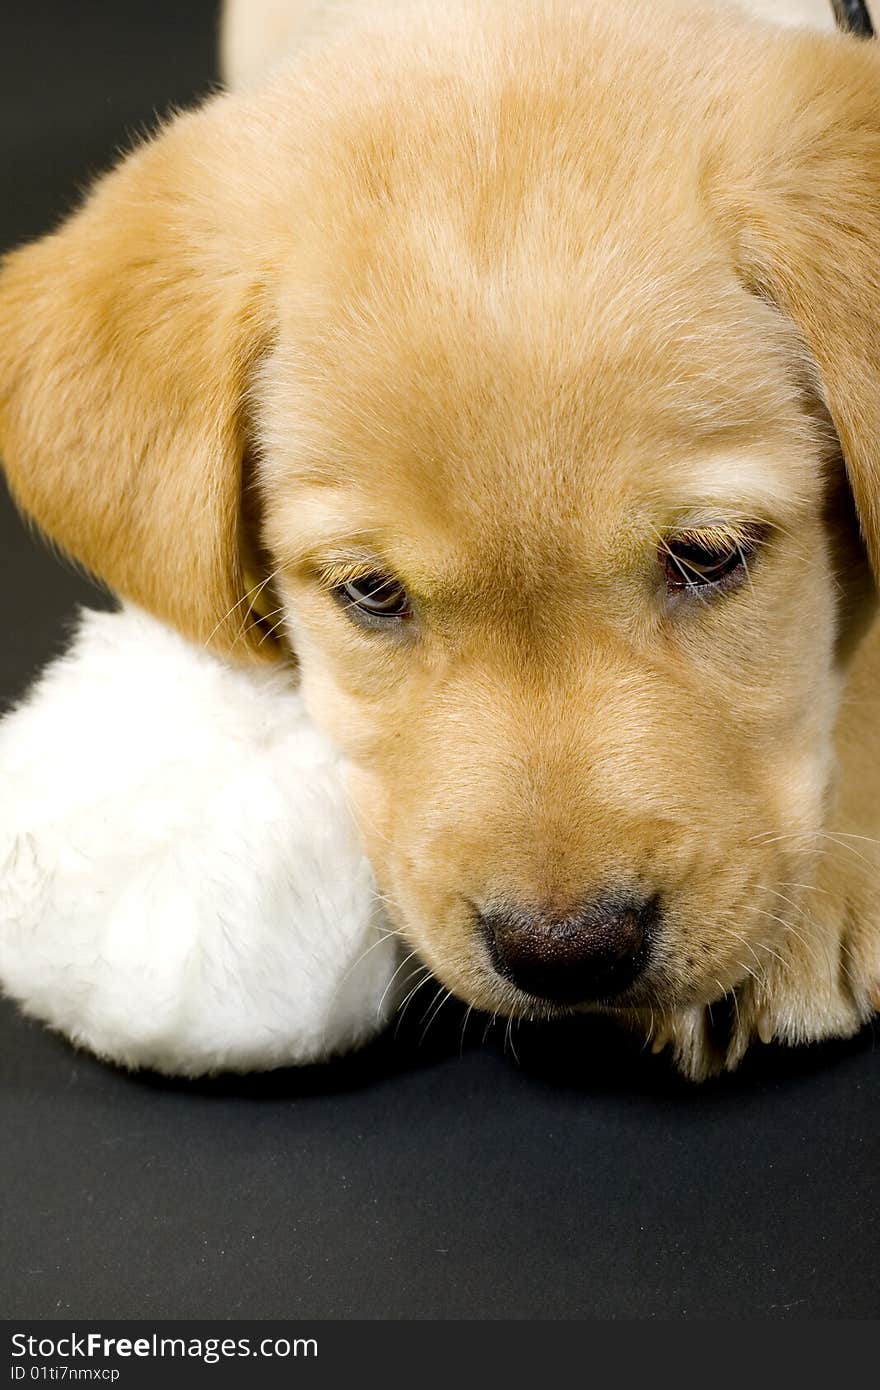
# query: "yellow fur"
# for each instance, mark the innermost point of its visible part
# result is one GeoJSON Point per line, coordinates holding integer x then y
{"type": "Point", "coordinates": [496, 299]}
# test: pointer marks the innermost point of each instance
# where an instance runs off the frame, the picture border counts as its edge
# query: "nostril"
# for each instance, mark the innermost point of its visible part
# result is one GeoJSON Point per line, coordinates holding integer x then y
{"type": "Point", "coordinates": [592, 953]}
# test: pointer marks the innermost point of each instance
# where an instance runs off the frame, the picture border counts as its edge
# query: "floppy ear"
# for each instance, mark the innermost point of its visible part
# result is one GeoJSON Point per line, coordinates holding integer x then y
{"type": "Point", "coordinates": [803, 211]}
{"type": "Point", "coordinates": [127, 341]}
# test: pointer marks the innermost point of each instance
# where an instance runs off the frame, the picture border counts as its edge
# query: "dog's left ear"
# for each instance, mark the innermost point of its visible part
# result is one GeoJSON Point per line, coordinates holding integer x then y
{"type": "Point", "coordinates": [128, 342]}
{"type": "Point", "coordinates": [802, 209]}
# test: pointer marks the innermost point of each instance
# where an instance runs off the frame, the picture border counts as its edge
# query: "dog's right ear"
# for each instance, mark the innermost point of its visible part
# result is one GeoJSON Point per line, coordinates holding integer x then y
{"type": "Point", "coordinates": [127, 342]}
{"type": "Point", "coordinates": [799, 202]}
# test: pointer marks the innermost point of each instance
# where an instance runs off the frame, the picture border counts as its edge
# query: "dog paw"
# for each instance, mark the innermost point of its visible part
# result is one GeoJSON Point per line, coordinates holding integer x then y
{"type": "Point", "coordinates": [688, 1035]}
{"type": "Point", "coordinates": [820, 983]}
{"type": "Point", "coordinates": [697, 1038]}
{"type": "Point", "coordinates": [823, 983]}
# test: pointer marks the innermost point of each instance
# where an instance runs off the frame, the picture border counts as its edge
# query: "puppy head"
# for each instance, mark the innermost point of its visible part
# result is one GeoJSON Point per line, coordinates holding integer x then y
{"type": "Point", "coordinates": [543, 353]}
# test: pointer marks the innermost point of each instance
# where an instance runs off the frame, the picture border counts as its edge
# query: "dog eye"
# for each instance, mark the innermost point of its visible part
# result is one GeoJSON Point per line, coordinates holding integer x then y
{"type": "Point", "coordinates": [690, 563]}
{"type": "Point", "coordinates": [377, 596]}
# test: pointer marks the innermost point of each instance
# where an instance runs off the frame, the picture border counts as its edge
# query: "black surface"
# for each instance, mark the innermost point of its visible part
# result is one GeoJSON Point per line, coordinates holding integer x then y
{"type": "Point", "coordinates": [421, 1179]}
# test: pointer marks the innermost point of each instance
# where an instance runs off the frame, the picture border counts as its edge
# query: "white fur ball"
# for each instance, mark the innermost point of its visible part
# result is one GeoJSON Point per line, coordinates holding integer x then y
{"type": "Point", "coordinates": [181, 882]}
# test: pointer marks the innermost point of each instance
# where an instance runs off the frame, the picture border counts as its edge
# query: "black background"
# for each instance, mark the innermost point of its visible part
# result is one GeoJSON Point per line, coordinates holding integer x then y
{"type": "Point", "coordinates": [428, 1177]}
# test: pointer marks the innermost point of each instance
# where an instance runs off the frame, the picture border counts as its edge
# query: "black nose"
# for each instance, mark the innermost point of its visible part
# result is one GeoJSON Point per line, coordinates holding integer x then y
{"type": "Point", "coordinates": [592, 953]}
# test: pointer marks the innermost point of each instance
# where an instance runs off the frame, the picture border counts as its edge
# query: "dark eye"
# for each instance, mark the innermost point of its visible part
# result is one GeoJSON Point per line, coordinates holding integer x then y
{"type": "Point", "coordinates": [376, 596]}
{"type": "Point", "coordinates": [691, 564]}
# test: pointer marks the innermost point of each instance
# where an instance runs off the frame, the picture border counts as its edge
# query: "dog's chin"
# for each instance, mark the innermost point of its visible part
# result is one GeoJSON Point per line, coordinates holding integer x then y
{"type": "Point", "coordinates": [498, 997]}
{"type": "Point", "coordinates": [646, 996]}
{"type": "Point", "coordinates": [637, 998]}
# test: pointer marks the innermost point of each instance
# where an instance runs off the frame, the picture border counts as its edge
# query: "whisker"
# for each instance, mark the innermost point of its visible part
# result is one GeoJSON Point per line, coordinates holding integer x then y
{"type": "Point", "coordinates": [514, 1053]}
{"type": "Point", "coordinates": [758, 978]}
{"type": "Point", "coordinates": [406, 960]}
{"type": "Point", "coordinates": [446, 996]}
{"type": "Point", "coordinates": [252, 593]}
{"type": "Point", "coordinates": [742, 559]}
{"type": "Point", "coordinates": [808, 887]}
{"type": "Point", "coordinates": [465, 1021]}
{"type": "Point", "coordinates": [363, 955]}
{"type": "Point", "coordinates": [810, 946]}
{"type": "Point", "coordinates": [736, 1009]}
{"type": "Point", "coordinates": [426, 976]}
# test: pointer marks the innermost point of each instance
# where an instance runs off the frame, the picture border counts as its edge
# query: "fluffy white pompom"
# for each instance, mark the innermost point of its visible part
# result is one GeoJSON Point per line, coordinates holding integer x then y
{"type": "Point", "coordinates": [181, 883]}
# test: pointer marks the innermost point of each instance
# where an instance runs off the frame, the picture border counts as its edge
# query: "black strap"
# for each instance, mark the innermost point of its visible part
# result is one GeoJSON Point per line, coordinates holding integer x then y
{"type": "Point", "coordinates": [853, 17]}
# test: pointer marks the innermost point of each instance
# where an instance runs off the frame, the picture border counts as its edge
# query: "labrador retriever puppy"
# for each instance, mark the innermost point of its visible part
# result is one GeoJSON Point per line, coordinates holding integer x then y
{"type": "Point", "coordinates": [516, 368]}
